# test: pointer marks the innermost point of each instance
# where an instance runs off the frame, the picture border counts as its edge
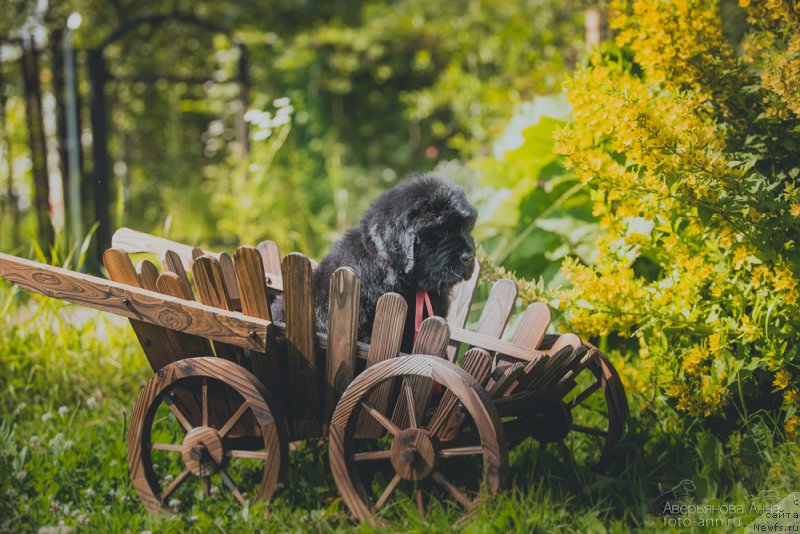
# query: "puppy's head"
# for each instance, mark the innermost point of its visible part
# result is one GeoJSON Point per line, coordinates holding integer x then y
{"type": "Point", "coordinates": [422, 228]}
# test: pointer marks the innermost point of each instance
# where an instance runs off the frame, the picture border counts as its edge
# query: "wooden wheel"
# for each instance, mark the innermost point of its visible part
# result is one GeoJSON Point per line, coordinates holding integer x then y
{"type": "Point", "coordinates": [597, 409]}
{"type": "Point", "coordinates": [410, 455]}
{"type": "Point", "coordinates": [229, 400]}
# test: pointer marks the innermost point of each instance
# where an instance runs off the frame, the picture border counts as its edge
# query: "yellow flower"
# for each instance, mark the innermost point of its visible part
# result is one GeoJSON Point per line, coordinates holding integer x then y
{"type": "Point", "coordinates": [782, 379]}
{"type": "Point", "coordinates": [750, 331]}
{"type": "Point", "coordinates": [715, 342]}
{"type": "Point", "coordinates": [693, 360]}
{"type": "Point", "coordinates": [740, 256]}
{"type": "Point", "coordinates": [784, 280]}
{"type": "Point", "coordinates": [795, 209]}
{"type": "Point", "coordinates": [791, 425]}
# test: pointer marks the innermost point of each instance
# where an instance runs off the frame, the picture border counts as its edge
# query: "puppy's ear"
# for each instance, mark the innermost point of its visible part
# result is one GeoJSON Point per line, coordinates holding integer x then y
{"type": "Point", "coordinates": [395, 243]}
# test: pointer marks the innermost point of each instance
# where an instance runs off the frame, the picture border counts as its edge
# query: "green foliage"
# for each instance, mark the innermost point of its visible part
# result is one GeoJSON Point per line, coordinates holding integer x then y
{"type": "Point", "coordinates": [534, 212]}
{"type": "Point", "coordinates": [692, 157]}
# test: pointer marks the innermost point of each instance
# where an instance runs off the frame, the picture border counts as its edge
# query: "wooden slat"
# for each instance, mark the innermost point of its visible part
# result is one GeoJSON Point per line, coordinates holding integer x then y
{"type": "Point", "coordinates": [148, 274]}
{"type": "Point", "coordinates": [432, 339]}
{"type": "Point", "coordinates": [533, 326]}
{"type": "Point", "coordinates": [170, 284]}
{"type": "Point", "coordinates": [268, 365]}
{"type": "Point", "coordinates": [172, 262]}
{"type": "Point", "coordinates": [446, 421]}
{"type": "Point", "coordinates": [566, 339]}
{"type": "Point", "coordinates": [229, 276]}
{"type": "Point", "coordinates": [343, 310]}
{"type": "Point", "coordinates": [387, 335]}
{"type": "Point", "coordinates": [304, 373]}
{"type": "Point", "coordinates": [497, 309]}
{"type": "Point", "coordinates": [506, 379]}
{"type": "Point", "coordinates": [493, 344]}
{"type": "Point", "coordinates": [212, 290]}
{"type": "Point", "coordinates": [271, 257]}
{"type": "Point", "coordinates": [460, 303]}
{"type": "Point", "coordinates": [554, 364]}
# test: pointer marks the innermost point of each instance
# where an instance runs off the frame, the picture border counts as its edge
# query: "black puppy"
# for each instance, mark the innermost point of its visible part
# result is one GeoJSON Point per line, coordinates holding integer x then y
{"type": "Point", "coordinates": [415, 236]}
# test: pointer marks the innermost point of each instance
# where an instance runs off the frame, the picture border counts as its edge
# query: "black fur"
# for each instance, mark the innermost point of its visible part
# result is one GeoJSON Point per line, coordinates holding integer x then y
{"type": "Point", "coordinates": [415, 236]}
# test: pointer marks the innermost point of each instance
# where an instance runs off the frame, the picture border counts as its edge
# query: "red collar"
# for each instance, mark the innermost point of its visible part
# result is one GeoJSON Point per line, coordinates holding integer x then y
{"type": "Point", "coordinates": [422, 297]}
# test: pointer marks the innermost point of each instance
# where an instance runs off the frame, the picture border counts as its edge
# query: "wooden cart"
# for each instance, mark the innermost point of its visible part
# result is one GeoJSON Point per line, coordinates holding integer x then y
{"type": "Point", "coordinates": [232, 388]}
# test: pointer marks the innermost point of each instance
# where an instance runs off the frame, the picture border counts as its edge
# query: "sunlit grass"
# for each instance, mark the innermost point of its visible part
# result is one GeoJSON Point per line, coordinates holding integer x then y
{"type": "Point", "coordinates": [69, 378]}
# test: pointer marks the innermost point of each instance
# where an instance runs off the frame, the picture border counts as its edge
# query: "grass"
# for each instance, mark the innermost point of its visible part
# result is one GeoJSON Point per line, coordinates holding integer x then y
{"type": "Point", "coordinates": [68, 380]}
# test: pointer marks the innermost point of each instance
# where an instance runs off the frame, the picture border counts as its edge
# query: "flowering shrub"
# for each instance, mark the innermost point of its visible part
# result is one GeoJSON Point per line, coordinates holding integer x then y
{"type": "Point", "coordinates": [691, 150]}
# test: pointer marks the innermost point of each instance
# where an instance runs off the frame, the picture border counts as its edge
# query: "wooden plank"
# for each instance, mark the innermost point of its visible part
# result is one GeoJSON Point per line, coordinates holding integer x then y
{"type": "Point", "coordinates": [172, 262]}
{"type": "Point", "coordinates": [343, 310]}
{"type": "Point", "coordinates": [133, 241]}
{"type": "Point", "coordinates": [304, 373]}
{"type": "Point", "coordinates": [269, 366]}
{"type": "Point", "coordinates": [387, 335]}
{"type": "Point", "coordinates": [447, 419]}
{"type": "Point", "coordinates": [229, 276]}
{"type": "Point", "coordinates": [432, 339]}
{"type": "Point", "coordinates": [212, 290]}
{"type": "Point", "coordinates": [148, 274]}
{"type": "Point", "coordinates": [271, 257]}
{"type": "Point", "coordinates": [170, 284]}
{"type": "Point", "coordinates": [493, 344]}
{"type": "Point", "coordinates": [460, 303]}
{"type": "Point", "coordinates": [497, 309]}
{"type": "Point", "coordinates": [565, 340]}
{"type": "Point", "coordinates": [129, 301]}
{"type": "Point", "coordinates": [530, 331]}
{"type": "Point", "coordinates": [509, 375]}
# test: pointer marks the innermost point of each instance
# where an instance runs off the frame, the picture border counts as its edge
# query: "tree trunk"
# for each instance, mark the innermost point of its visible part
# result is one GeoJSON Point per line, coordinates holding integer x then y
{"type": "Point", "coordinates": [59, 86]}
{"type": "Point", "coordinates": [37, 143]}
{"type": "Point", "coordinates": [100, 158]}
{"type": "Point", "coordinates": [9, 203]}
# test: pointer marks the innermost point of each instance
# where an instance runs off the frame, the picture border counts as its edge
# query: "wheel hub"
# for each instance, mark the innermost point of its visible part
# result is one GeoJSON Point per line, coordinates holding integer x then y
{"type": "Point", "coordinates": [202, 451]}
{"type": "Point", "coordinates": [413, 454]}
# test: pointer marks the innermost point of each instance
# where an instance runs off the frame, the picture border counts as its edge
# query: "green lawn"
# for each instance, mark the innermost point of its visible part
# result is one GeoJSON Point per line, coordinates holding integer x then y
{"type": "Point", "coordinates": [68, 383]}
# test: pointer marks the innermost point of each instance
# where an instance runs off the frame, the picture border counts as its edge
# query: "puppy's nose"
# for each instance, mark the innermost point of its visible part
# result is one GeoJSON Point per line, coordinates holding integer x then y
{"type": "Point", "coordinates": [467, 256]}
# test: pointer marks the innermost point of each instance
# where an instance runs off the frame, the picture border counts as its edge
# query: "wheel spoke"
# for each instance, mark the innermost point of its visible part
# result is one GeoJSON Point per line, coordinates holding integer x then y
{"type": "Point", "coordinates": [457, 494]}
{"type": "Point", "coordinates": [231, 486]}
{"type": "Point", "coordinates": [253, 455]}
{"type": "Point", "coordinates": [206, 485]}
{"type": "Point", "coordinates": [205, 401]}
{"type": "Point", "coordinates": [460, 451]}
{"type": "Point", "coordinates": [419, 499]}
{"type": "Point", "coordinates": [233, 420]}
{"type": "Point", "coordinates": [590, 430]}
{"type": "Point", "coordinates": [585, 394]}
{"type": "Point", "coordinates": [372, 455]}
{"type": "Point", "coordinates": [388, 491]}
{"type": "Point", "coordinates": [176, 411]}
{"type": "Point", "coordinates": [379, 417]}
{"type": "Point", "coordinates": [171, 447]}
{"type": "Point", "coordinates": [174, 485]}
{"type": "Point", "coordinates": [412, 409]}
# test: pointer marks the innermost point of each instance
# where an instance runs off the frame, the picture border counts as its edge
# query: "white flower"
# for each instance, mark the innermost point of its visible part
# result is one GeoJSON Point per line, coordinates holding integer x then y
{"type": "Point", "coordinates": [63, 411]}
{"type": "Point", "coordinates": [56, 441]}
{"type": "Point", "coordinates": [21, 406]}
{"type": "Point", "coordinates": [46, 416]}
{"type": "Point", "coordinates": [174, 503]}
{"type": "Point", "coordinates": [89, 492]}
{"type": "Point", "coordinates": [282, 102]}
{"type": "Point", "coordinates": [91, 402]}
{"type": "Point", "coordinates": [214, 491]}
{"type": "Point", "coordinates": [68, 444]}
{"type": "Point", "coordinates": [193, 518]}
{"type": "Point", "coordinates": [21, 476]}
{"type": "Point", "coordinates": [34, 441]}
{"type": "Point", "coordinates": [169, 478]}
{"type": "Point", "coordinates": [261, 135]}
{"type": "Point", "coordinates": [113, 463]}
